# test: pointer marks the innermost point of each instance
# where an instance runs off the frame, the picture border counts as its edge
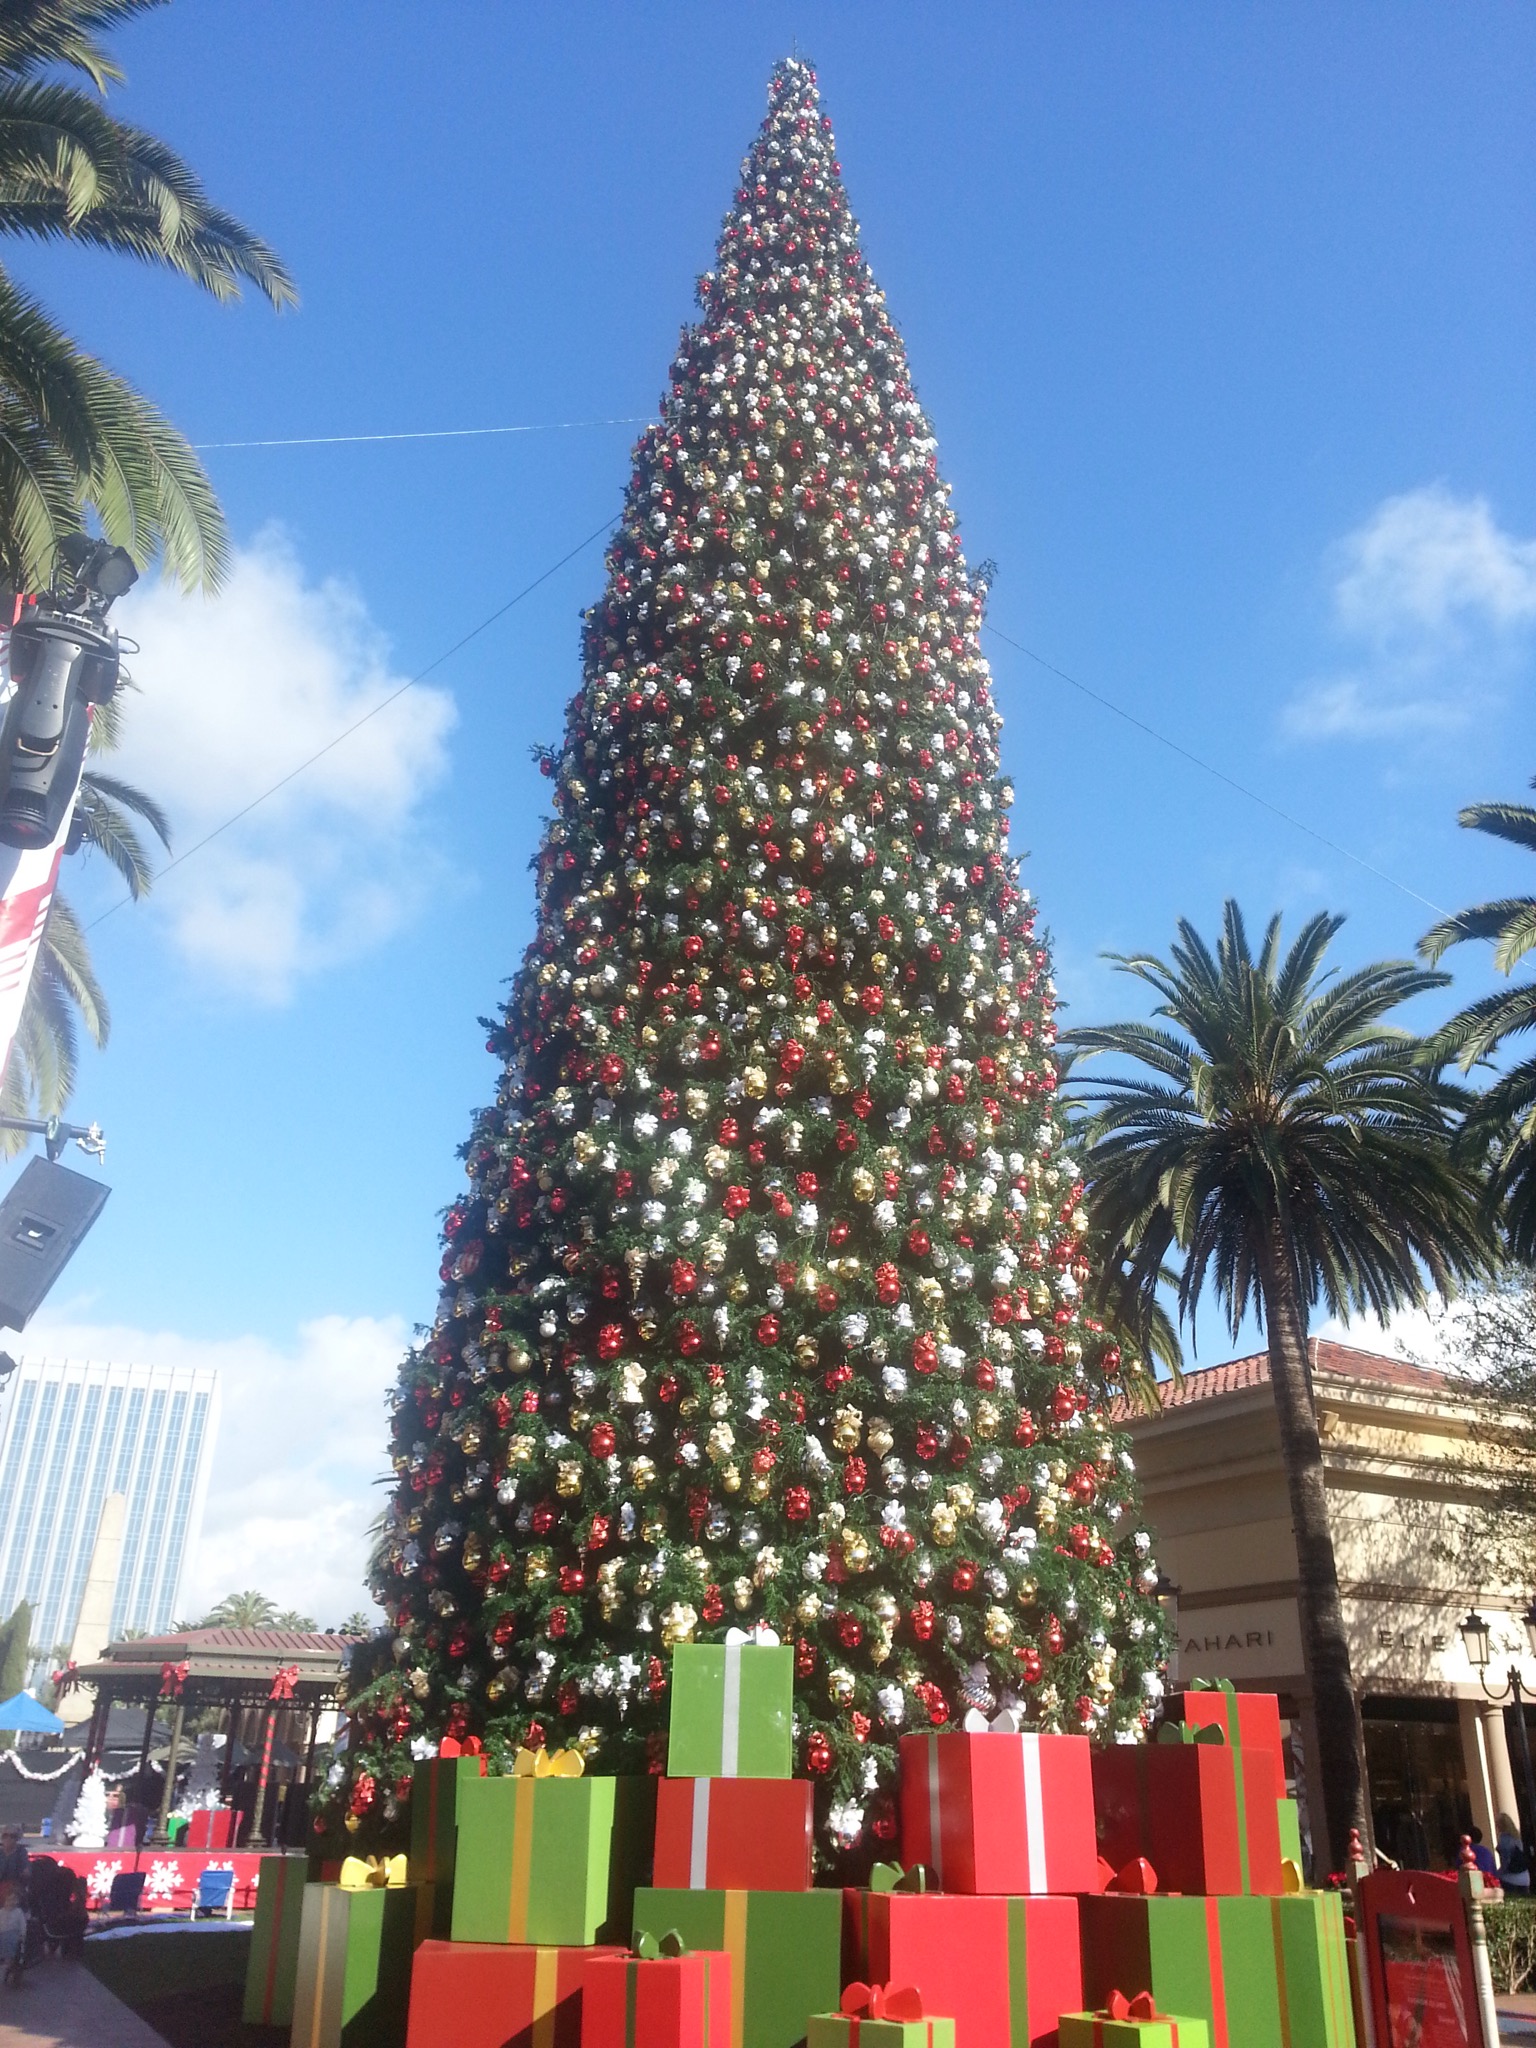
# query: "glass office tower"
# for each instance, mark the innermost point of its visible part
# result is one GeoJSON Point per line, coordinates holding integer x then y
{"type": "Point", "coordinates": [72, 1432]}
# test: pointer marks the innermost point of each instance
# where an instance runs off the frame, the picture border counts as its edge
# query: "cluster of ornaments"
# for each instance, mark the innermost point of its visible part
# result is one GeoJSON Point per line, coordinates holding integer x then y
{"type": "Point", "coordinates": [764, 1301]}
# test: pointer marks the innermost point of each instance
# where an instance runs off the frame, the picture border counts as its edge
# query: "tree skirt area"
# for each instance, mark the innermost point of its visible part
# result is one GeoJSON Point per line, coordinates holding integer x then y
{"type": "Point", "coordinates": [186, 1982]}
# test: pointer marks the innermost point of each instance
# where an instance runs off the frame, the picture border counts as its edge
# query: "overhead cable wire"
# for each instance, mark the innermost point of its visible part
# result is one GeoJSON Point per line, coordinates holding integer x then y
{"type": "Point", "coordinates": [1209, 768]}
{"type": "Point", "coordinates": [419, 434]}
{"type": "Point", "coordinates": [358, 723]}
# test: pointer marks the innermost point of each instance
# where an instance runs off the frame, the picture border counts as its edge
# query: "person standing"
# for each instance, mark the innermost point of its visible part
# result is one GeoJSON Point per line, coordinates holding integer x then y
{"type": "Point", "coordinates": [1514, 1863]}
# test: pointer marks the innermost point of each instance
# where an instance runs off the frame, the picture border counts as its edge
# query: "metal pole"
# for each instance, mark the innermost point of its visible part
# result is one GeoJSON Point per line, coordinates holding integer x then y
{"type": "Point", "coordinates": [258, 1837]}
{"type": "Point", "coordinates": [162, 1828]}
{"type": "Point", "coordinates": [1525, 1753]}
{"type": "Point", "coordinates": [227, 1770]}
{"type": "Point", "coordinates": [97, 1729]}
{"type": "Point", "coordinates": [1471, 1883]}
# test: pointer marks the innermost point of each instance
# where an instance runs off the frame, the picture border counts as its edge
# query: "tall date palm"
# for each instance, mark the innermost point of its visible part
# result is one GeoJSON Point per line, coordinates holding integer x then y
{"type": "Point", "coordinates": [80, 446]}
{"type": "Point", "coordinates": [1504, 1116]}
{"type": "Point", "coordinates": [76, 440]}
{"type": "Point", "coordinates": [1290, 1147]}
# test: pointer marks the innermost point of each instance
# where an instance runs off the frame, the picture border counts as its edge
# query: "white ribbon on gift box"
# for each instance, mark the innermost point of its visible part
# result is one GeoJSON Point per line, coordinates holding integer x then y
{"type": "Point", "coordinates": [1034, 1797]}
{"type": "Point", "coordinates": [698, 1846]}
{"type": "Point", "coordinates": [736, 1640]}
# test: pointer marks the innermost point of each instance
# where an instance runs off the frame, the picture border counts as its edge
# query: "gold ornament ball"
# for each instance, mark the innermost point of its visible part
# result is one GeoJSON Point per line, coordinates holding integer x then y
{"type": "Point", "coordinates": [998, 1627]}
{"type": "Point", "coordinates": [567, 1478]}
{"type": "Point", "coordinates": [856, 1553]}
{"type": "Point", "coordinates": [642, 1474]}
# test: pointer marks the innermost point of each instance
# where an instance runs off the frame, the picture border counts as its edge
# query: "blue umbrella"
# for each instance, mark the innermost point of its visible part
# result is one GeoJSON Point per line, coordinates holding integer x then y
{"type": "Point", "coordinates": [22, 1711]}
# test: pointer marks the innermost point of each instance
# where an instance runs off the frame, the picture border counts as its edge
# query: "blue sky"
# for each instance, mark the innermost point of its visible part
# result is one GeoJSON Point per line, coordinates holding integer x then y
{"type": "Point", "coordinates": [1224, 318]}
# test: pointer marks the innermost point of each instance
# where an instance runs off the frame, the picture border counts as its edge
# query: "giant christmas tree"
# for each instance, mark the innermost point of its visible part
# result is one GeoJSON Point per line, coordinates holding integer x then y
{"type": "Point", "coordinates": [764, 1304]}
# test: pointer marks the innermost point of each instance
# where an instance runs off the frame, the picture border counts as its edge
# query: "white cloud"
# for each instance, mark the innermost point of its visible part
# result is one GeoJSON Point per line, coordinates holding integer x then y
{"type": "Point", "coordinates": [234, 692]}
{"type": "Point", "coordinates": [1427, 558]}
{"type": "Point", "coordinates": [1439, 601]}
{"type": "Point", "coordinates": [301, 1443]}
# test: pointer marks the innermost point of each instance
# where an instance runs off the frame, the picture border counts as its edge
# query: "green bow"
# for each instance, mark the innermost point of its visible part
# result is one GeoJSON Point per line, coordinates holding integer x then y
{"type": "Point", "coordinates": [1210, 1685]}
{"type": "Point", "coordinates": [651, 1948]}
{"type": "Point", "coordinates": [1180, 1731]}
{"type": "Point", "coordinates": [890, 1877]}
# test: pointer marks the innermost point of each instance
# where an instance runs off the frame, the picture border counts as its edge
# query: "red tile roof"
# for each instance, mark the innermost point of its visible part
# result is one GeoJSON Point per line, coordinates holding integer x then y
{"type": "Point", "coordinates": [300, 1641]}
{"type": "Point", "coordinates": [1331, 1360]}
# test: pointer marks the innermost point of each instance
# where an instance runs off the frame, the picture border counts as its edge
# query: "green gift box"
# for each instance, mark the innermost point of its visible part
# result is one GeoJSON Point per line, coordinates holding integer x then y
{"type": "Point", "coordinates": [1173, 1948]}
{"type": "Point", "coordinates": [550, 1861]}
{"type": "Point", "coordinates": [352, 1987]}
{"type": "Point", "coordinates": [1316, 2008]}
{"type": "Point", "coordinates": [785, 1950]}
{"type": "Point", "coordinates": [731, 1711]}
{"type": "Point", "coordinates": [863, 2030]}
{"type": "Point", "coordinates": [435, 1786]}
{"type": "Point", "coordinates": [1289, 1816]}
{"type": "Point", "coordinates": [1131, 2030]}
{"type": "Point", "coordinates": [272, 1966]}
{"type": "Point", "coordinates": [1261, 1972]}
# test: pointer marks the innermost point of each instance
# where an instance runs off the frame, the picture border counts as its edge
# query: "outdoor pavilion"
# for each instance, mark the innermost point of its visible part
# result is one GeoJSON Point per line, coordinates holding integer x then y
{"type": "Point", "coordinates": [286, 1679]}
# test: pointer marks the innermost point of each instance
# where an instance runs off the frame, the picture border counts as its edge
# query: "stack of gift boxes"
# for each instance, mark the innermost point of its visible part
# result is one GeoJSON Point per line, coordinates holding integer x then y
{"type": "Point", "coordinates": [1143, 1896]}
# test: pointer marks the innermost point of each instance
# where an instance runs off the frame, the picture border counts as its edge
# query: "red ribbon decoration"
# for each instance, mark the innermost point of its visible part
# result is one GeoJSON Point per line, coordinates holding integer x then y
{"type": "Point", "coordinates": [68, 1678]}
{"type": "Point", "coordinates": [172, 1678]}
{"type": "Point", "coordinates": [884, 2001]}
{"type": "Point", "coordinates": [1141, 2007]}
{"type": "Point", "coordinates": [470, 1746]}
{"type": "Point", "coordinates": [283, 1683]}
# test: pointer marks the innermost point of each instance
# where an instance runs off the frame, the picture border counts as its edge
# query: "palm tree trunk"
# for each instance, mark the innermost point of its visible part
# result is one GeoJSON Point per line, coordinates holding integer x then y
{"type": "Point", "coordinates": [1341, 1758]}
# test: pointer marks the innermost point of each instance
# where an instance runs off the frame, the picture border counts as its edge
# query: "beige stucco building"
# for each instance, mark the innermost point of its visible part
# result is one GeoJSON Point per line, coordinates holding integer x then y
{"type": "Point", "coordinates": [1405, 1475]}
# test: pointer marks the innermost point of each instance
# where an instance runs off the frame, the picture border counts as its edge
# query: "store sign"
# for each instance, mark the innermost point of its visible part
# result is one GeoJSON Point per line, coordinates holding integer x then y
{"type": "Point", "coordinates": [1249, 1639]}
{"type": "Point", "coordinates": [1411, 1646]}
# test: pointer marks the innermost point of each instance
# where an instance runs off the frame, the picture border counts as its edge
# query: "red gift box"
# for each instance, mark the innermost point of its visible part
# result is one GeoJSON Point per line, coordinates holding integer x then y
{"type": "Point", "coordinates": [209, 1828]}
{"type": "Point", "coordinates": [1003, 1969]}
{"type": "Point", "coordinates": [1203, 1815]}
{"type": "Point", "coordinates": [667, 2001]}
{"type": "Point", "coordinates": [483, 1994]}
{"type": "Point", "coordinates": [1249, 1720]}
{"type": "Point", "coordinates": [1000, 1813]}
{"type": "Point", "coordinates": [733, 1834]}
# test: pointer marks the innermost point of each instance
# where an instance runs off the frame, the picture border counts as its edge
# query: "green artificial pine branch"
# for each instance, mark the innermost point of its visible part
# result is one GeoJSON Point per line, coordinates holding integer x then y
{"type": "Point", "coordinates": [764, 1300]}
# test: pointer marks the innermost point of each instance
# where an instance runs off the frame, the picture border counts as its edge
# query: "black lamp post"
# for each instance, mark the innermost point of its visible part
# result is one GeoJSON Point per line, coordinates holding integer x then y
{"type": "Point", "coordinates": [1478, 1638]}
{"type": "Point", "coordinates": [1166, 1594]}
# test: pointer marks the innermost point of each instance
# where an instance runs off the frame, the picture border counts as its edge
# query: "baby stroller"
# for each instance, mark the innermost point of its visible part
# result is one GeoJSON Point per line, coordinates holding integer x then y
{"type": "Point", "coordinates": [60, 1909]}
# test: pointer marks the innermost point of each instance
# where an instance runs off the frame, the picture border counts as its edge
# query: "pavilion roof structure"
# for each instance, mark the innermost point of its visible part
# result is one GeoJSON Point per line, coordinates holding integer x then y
{"type": "Point", "coordinates": [222, 1664]}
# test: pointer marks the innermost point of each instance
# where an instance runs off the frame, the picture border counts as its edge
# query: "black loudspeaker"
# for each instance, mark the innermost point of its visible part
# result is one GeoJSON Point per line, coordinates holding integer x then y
{"type": "Point", "coordinates": [42, 1220]}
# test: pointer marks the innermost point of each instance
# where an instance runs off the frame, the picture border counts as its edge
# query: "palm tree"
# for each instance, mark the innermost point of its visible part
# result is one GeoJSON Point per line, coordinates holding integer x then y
{"type": "Point", "coordinates": [1294, 1148]}
{"type": "Point", "coordinates": [40, 1074]}
{"type": "Point", "coordinates": [80, 446]}
{"type": "Point", "coordinates": [241, 1610]}
{"type": "Point", "coordinates": [76, 441]}
{"type": "Point", "coordinates": [1504, 1117]}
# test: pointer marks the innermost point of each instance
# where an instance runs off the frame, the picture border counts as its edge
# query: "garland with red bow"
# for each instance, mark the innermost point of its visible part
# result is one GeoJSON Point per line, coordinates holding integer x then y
{"type": "Point", "coordinates": [283, 1682]}
{"type": "Point", "coordinates": [172, 1678]}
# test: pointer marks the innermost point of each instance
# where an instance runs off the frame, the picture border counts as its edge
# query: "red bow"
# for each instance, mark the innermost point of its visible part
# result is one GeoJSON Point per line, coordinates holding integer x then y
{"type": "Point", "coordinates": [1140, 2007]}
{"type": "Point", "coordinates": [283, 1683]}
{"type": "Point", "coordinates": [884, 2001]}
{"type": "Point", "coordinates": [67, 1679]}
{"type": "Point", "coordinates": [1136, 1877]}
{"type": "Point", "coordinates": [453, 1745]}
{"type": "Point", "coordinates": [172, 1678]}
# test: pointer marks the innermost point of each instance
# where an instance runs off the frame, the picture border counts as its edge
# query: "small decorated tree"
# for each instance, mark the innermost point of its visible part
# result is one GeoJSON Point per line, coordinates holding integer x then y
{"type": "Point", "coordinates": [87, 1828]}
{"type": "Point", "coordinates": [764, 1302]}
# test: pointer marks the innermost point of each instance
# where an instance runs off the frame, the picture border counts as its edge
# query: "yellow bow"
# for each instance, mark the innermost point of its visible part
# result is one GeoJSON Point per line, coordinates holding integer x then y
{"type": "Point", "coordinates": [1291, 1879]}
{"type": "Point", "coordinates": [541, 1763]}
{"type": "Point", "coordinates": [363, 1873]}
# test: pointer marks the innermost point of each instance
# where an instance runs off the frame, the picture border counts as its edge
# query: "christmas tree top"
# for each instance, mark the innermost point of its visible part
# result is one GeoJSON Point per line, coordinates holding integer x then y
{"type": "Point", "coordinates": [764, 1302]}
